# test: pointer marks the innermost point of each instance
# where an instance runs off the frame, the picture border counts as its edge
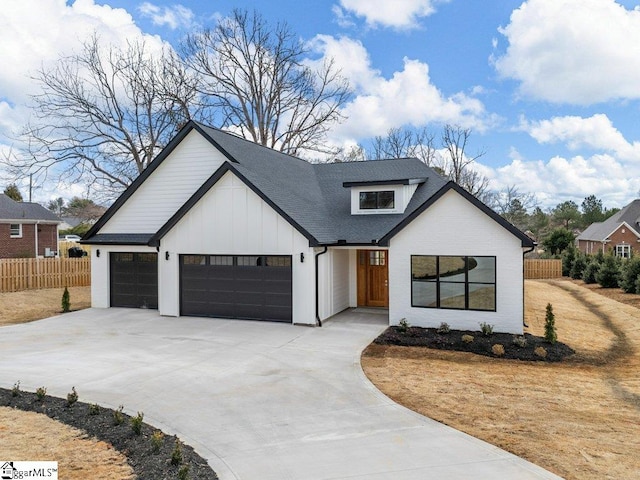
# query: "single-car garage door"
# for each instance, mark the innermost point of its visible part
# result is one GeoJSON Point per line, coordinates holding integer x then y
{"type": "Point", "coordinates": [134, 279]}
{"type": "Point", "coordinates": [254, 287]}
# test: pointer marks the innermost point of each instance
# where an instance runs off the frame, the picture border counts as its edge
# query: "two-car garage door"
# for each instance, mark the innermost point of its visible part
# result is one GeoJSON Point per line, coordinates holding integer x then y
{"type": "Point", "coordinates": [255, 287]}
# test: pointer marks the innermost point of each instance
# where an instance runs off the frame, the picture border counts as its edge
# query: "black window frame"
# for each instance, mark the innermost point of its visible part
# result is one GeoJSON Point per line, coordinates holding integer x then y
{"type": "Point", "coordinates": [438, 281]}
{"type": "Point", "coordinates": [379, 203]}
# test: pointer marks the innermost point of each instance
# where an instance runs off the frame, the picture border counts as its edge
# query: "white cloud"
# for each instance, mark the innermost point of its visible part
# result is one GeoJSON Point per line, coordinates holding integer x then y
{"type": "Point", "coordinates": [400, 14]}
{"type": "Point", "coordinates": [595, 133]}
{"type": "Point", "coordinates": [406, 98]}
{"type": "Point", "coordinates": [558, 179]}
{"type": "Point", "coordinates": [173, 16]}
{"type": "Point", "coordinates": [573, 51]}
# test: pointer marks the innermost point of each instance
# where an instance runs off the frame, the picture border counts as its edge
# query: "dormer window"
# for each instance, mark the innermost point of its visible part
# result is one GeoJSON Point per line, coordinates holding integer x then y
{"type": "Point", "coordinates": [376, 197]}
{"type": "Point", "coordinates": [384, 200]}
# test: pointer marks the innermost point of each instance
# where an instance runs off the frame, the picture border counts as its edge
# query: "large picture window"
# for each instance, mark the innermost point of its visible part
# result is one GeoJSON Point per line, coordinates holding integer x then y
{"type": "Point", "coordinates": [461, 283]}
{"type": "Point", "coordinates": [377, 200]}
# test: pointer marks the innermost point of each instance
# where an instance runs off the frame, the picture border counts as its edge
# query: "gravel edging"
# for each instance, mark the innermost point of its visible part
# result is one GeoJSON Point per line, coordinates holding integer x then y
{"type": "Point", "coordinates": [147, 462]}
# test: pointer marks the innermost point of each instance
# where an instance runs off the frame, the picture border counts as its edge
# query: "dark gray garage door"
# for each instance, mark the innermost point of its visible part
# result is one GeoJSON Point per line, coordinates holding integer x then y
{"type": "Point", "coordinates": [134, 280]}
{"type": "Point", "coordinates": [254, 287]}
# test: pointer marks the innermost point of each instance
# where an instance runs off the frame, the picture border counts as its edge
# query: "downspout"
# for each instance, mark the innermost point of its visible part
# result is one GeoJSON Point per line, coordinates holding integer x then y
{"type": "Point", "coordinates": [318, 321]}
{"type": "Point", "coordinates": [35, 227]}
{"type": "Point", "coordinates": [523, 307]}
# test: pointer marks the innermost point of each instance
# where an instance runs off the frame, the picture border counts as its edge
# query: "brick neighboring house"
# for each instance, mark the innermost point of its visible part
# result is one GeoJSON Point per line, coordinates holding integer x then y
{"type": "Point", "coordinates": [26, 229]}
{"type": "Point", "coordinates": [619, 234]}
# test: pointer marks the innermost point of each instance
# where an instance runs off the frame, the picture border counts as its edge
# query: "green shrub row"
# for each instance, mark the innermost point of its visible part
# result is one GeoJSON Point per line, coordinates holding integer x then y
{"type": "Point", "coordinates": [608, 270]}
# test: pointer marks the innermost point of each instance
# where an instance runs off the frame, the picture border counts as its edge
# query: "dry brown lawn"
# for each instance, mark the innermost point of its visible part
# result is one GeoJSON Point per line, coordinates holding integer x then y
{"type": "Point", "coordinates": [41, 438]}
{"type": "Point", "coordinates": [29, 305]}
{"type": "Point", "coordinates": [579, 419]}
{"type": "Point", "coordinates": [34, 436]}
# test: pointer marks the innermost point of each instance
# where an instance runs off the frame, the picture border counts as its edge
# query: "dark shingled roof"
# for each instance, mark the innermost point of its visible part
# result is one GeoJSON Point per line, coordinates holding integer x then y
{"type": "Point", "coordinates": [12, 210]}
{"type": "Point", "coordinates": [312, 197]}
{"type": "Point", "coordinates": [600, 231]}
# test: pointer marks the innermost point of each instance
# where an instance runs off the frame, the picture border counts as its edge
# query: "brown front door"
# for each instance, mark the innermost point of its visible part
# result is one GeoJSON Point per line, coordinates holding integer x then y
{"type": "Point", "coordinates": [373, 278]}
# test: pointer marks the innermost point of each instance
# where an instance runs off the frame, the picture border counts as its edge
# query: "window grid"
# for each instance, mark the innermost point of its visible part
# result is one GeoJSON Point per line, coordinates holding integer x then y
{"type": "Point", "coordinates": [15, 230]}
{"type": "Point", "coordinates": [450, 282]}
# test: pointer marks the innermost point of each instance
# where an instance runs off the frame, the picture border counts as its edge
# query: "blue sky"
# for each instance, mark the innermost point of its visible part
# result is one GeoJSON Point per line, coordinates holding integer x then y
{"type": "Point", "coordinates": [550, 88]}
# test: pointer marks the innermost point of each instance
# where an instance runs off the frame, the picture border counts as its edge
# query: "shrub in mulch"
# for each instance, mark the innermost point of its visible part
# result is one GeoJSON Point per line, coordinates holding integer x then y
{"type": "Point", "coordinates": [516, 347]}
{"type": "Point", "coordinates": [149, 457]}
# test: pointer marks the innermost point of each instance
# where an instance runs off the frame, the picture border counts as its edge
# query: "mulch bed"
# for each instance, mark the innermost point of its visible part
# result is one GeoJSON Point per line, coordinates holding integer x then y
{"type": "Point", "coordinates": [147, 463]}
{"type": "Point", "coordinates": [481, 344]}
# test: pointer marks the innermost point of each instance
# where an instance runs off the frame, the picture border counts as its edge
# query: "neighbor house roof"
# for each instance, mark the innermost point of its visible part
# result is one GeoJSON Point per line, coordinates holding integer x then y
{"type": "Point", "coordinates": [601, 231]}
{"type": "Point", "coordinates": [314, 198]}
{"type": "Point", "coordinates": [10, 210]}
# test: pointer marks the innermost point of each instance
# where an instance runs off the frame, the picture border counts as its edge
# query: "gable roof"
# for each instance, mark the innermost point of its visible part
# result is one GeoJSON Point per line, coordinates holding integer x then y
{"type": "Point", "coordinates": [24, 211]}
{"type": "Point", "coordinates": [601, 231]}
{"type": "Point", "coordinates": [313, 198]}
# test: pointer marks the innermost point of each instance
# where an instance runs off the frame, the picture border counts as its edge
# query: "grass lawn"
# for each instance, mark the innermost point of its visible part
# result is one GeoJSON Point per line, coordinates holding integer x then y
{"type": "Point", "coordinates": [578, 418]}
{"type": "Point", "coordinates": [29, 305]}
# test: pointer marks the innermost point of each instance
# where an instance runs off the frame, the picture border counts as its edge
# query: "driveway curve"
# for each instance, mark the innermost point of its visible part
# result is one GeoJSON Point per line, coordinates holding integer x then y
{"type": "Point", "coordinates": [259, 401]}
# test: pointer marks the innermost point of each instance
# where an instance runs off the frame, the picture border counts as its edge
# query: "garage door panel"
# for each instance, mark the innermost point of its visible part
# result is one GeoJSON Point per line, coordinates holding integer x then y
{"type": "Point", "coordinates": [134, 279]}
{"type": "Point", "coordinates": [242, 286]}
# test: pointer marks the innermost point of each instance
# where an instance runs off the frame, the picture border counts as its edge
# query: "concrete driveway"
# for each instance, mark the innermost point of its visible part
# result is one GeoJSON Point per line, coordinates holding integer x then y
{"type": "Point", "coordinates": [259, 401]}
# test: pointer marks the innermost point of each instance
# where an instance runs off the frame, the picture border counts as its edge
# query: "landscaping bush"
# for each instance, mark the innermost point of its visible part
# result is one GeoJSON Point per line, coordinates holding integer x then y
{"type": "Point", "coordinates": [579, 264]}
{"type": "Point", "coordinates": [629, 275]}
{"type": "Point", "coordinates": [589, 273]}
{"type": "Point", "coordinates": [66, 301]}
{"type": "Point", "coordinates": [568, 257]}
{"type": "Point", "coordinates": [608, 274]}
{"type": "Point", "coordinates": [550, 325]}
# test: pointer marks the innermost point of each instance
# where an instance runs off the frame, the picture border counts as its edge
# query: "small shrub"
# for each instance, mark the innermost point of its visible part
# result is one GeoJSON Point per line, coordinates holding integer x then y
{"type": "Point", "coordinates": [609, 272]}
{"type": "Point", "coordinates": [72, 397]}
{"type": "Point", "coordinates": [176, 454]}
{"type": "Point", "coordinates": [520, 341]}
{"type": "Point", "coordinates": [183, 473]}
{"type": "Point", "coordinates": [41, 392]}
{"type": "Point", "coordinates": [578, 266]}
{"type": "Point", "coordinates": [568, 257]}
{"type": "Point", "coordinates": [550, 325]}
{"type": "Point", "coordinates": [540, 352]}
{"type": "Point", "coordinates": [136, 423]}
{"type": "Point", "coordinates": [94, 409]}
{"type": "Point", "coordinates": [467, 338]}
{"type": "Point", "coordinates": [444, 328]}
{"type": "Point", "coordinates": [403, 325]}
{"type": "Point", "coordinates": [486, 329]}
{"type": "Point", "coordinates": [629, 274]}
{"type": "Point", "coordinates": [118, 416]}
{"type": "Point", "coordinates": [66, 301]}
{"type": "Point", "coordinates": [498, 350]}
{"type": "Point", "coordinates": [589, 272]}
{"type": "Point", "coordinates": [15, 390]}
{"type": "Point", "coordinates": [638, 284]}
{"type": "Point", "coordinates": [157, 438]}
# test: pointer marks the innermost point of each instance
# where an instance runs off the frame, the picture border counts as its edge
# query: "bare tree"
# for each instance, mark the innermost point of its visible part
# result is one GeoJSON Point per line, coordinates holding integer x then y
{"type": "Point", "coordinates": [514, 205]}
{"type": "Point", "coordinates": [404, 143]}
{"type": "Point", "coordinates": [257, 83]}
{"type": "Point", "coordinates": [103, 114]}
{"type": "Point", "coordinates": [458, 164]}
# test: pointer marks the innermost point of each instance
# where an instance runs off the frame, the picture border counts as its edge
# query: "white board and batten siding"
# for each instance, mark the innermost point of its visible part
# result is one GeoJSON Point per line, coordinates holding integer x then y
{"type": "Point", "coordinates": [334, 282]}
{"type": "Point", "coordinates": [454, 226]}
{"type": "Point", "coordinates": [230, 219]}
{"type": "Point", "coordinates": [175, 180]}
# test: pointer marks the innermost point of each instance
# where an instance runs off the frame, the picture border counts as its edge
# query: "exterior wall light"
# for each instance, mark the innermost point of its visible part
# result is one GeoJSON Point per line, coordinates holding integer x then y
{"type": "Point", "coordinates": [166, 255]}
{"type": "Point", "coordinates": [98, 253]}
{"type": "Point", "coordinates": [301, 257]}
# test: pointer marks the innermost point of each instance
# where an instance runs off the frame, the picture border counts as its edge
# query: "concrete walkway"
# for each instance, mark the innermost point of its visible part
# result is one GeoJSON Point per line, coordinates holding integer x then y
{"type": "Point", "coordinates": [260, 401]}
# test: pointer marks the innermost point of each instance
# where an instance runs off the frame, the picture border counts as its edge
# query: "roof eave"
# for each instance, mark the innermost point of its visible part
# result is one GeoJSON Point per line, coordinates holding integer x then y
{"type": "Point", "coordinates": [524, 239]}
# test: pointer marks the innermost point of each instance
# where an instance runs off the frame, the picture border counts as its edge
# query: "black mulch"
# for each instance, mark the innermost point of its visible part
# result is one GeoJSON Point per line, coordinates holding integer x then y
{"type": "Point", "coordinates": [481, 344]}
{"type": "Point", "coordinates": [147, 463]}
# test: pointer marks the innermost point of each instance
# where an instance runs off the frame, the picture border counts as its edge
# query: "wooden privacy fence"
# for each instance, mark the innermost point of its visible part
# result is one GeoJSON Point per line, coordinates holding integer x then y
{"type": "Point", "coordinates": [542, 268]}
{"type": "Point", "coordinates": [30, 273]}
